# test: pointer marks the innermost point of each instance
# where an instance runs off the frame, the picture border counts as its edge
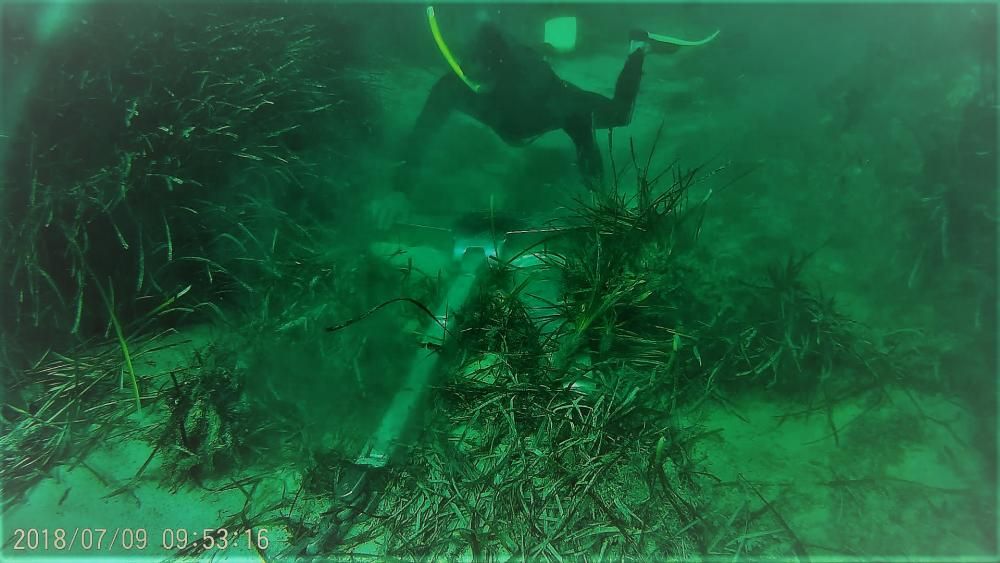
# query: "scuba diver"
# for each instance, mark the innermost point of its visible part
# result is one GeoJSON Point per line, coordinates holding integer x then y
{"type": "Point", "coordinates": [511, 88]}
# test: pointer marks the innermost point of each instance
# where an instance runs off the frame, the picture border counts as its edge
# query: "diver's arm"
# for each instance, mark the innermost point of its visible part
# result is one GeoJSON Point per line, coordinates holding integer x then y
{"type": "Point", "coordinates": [448, 94]}
{"type": "Point", "coordinates": [580, 129]}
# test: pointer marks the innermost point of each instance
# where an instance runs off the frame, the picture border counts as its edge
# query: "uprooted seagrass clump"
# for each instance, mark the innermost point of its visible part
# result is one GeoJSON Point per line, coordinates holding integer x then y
{"type": "Point", "coordinates": [212, 424]}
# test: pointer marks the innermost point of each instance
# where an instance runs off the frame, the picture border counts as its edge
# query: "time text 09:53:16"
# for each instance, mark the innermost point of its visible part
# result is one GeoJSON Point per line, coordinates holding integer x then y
{"type": "Point", "coordinates": [215, 538]}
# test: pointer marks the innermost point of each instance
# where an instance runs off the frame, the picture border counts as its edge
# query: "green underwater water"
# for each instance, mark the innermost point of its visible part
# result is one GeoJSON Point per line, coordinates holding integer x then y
{"type": "Point", "coordinates": [771, 335]}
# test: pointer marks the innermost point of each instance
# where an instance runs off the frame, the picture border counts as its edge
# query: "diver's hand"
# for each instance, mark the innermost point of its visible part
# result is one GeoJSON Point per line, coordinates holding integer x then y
{"type": "Point", "coordinates": [390, 209]}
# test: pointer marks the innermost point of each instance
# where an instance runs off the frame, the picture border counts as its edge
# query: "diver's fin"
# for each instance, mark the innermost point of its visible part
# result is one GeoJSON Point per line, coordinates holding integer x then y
{"type": "Point", "coordinates": [657, 43]}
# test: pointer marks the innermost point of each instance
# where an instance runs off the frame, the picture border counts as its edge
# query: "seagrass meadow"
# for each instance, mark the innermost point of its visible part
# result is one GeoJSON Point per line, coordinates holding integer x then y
{"type": "Point", "coordinates": [770, 334]}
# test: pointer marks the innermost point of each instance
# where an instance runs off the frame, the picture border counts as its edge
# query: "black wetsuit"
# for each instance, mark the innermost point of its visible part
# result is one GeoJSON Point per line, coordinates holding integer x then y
{"type": "Point", "coordinates": [522, 98]}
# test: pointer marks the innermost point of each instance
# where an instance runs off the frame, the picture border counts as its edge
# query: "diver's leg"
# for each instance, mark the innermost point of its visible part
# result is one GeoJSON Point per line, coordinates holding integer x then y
{"type": "Point", "coordinates": [587, 111]}
{"type": "Point", "coordinates": [617, 112]}
{"type": "Point", "coordinates": [607, 112]}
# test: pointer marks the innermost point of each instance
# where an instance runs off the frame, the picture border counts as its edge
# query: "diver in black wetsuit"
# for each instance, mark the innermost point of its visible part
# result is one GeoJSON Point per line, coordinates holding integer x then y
{"type": "Point", "coordinates": [520, 97]}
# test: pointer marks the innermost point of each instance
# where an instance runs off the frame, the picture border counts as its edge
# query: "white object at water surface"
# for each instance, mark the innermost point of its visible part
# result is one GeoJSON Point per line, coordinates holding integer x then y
{"type": "Point", "coordinates": [560, 33]}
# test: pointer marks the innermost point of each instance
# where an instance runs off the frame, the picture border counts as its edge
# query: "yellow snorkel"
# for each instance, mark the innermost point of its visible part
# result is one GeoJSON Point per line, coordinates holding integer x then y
{"type": "Point", "coordinates": [443, 47]}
